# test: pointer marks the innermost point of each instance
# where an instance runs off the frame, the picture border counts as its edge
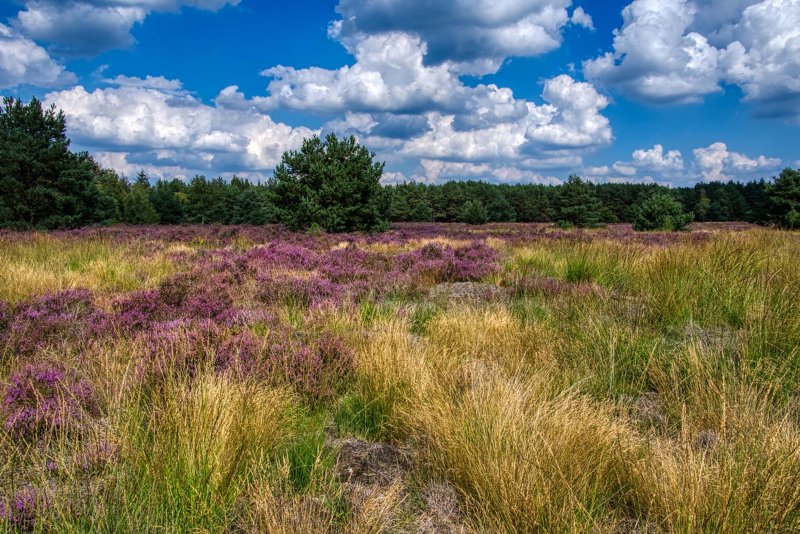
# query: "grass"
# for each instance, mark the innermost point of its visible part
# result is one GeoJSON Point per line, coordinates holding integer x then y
{"type": "Point", "coordinates": [667, 400]}
{"type": "Point", "coordinates": [46, 264]}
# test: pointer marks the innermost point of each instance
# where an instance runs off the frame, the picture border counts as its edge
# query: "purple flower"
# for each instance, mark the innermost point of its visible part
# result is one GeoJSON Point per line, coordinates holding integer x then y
{"type": "Point", "coordinates": [43, 397]}
{"type": "Point", "coordinates": [21, 510]}
{"type": "Point", "coordinates": [52, 318]}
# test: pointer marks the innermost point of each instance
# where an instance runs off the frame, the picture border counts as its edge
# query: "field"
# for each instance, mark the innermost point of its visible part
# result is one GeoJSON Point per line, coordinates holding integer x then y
{"type": "Point", "coordinates": [434, 378]}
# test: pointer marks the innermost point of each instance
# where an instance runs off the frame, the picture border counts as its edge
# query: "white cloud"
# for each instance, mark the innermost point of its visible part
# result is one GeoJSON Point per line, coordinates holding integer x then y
{"type": "Point", "coordinates": [475, 35]}
{"type": "Point", "coordinates": [24, 62]}
{"type": "Point", "coordinates": [388, 75]}
{"type": "Point", "coordinates": [572, 117]}
{"type": "Point", "coordinates": [437, 171]}
{"type": "Point", "coordinates": [87, 27]}
{"type": "Point", "coordinates": [655, 59]}
{"type": "Point", "coordinates": [174, 131]}
{"type": "Point", "coordinates": [582, 18]}
{"type": "Point", "coordinates": [717, 163]}
{"type": "Point", "coordinates": [149, 82]}
{"type": "Point", "coordinates": [655, 159]}
{"type": "Point", "coordinates": [677, 51]}
{"type": "Point", "coordinates": [624, 169]}
{"type": "Point", "coordinates": [764, 58]}
{"type": "Point", "coordinates": [571, 120]}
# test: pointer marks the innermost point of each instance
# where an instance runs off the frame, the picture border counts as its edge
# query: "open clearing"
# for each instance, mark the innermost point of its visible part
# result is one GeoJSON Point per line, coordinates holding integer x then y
{"type": "Point", "coordinates": [434, 378]}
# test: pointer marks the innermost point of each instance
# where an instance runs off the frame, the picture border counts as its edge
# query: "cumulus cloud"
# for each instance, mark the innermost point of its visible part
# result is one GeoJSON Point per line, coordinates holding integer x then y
{"type": "Point", "coordinates": [764, 58]}
{"type": "Point", "coordinates": [390, 92]}
{"type": "Point", "coordinates": [677, 51]}
{"type": "Point", "coordinates": [717, 163]}
{"type": "Point", "coordinates": [88, 27]}
{"type": "Point", "coordinates": [474, 35]}
{"type": "Point", "coordinates": [388, 75]}
{"type": "Point", "coordinates": [143, 123]}
{"type": "Point", "coordinates": [655, 59]}
{"type": "Point", "coordinates": [22, 62]}
{"type": "Point", "coordinates": [437, 171]}
{"type": "Point", "coordinates": [656, 159]}
{"type": "Point", "coordinates": [571, 120]}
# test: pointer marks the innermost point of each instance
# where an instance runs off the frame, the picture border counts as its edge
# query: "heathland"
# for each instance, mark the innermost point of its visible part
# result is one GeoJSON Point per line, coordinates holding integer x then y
{"type": "Point", "coordinates": [432, 378]}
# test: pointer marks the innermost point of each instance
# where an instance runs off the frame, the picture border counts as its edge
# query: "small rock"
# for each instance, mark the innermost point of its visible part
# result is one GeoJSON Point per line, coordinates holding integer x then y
{"type": "Point", "coordinates": [442, 512]}
{"type": "Point", "coordinates": [636, 526]}
{"type": "Point", "coordinates": [648, 410]}
{"type": "Point", "coordinates": [371, 463]}
{"type": "Point", "coordinates": [706, 439]}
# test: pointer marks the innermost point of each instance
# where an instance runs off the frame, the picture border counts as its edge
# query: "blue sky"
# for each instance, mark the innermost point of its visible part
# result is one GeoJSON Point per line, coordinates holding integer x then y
{"type": "Point", "coordinates": [673, 91]}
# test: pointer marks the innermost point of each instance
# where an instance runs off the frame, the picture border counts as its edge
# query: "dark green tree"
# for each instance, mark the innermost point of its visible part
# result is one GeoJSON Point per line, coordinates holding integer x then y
{"type": "Point", "coordinates": [499, 209]}
{"type": "Point", "coordinates": [578, 204]}
{"type": "Point", "coordinates": [164, 199]}
{"type": "Point", "coordinates": [422, 212]}
{"type": "Point", "coordinates": [138, 208]}
{"type": "Point", "coordinates": [784, 196]}
{"type": "Point", "coordinates": [473, 212]}
{"type": "Point", "coordinates": [702, 206]}
{"type": "Point", "coordinates": [42, 183]}
{"type": "Point", "coordinates": [661, 212]}
{"type": "Point", "coordinates": [333, 183]}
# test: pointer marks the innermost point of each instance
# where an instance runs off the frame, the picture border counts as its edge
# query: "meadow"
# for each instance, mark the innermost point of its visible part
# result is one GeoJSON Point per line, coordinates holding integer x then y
{"type": "Point", "coordinates": [432, 378]}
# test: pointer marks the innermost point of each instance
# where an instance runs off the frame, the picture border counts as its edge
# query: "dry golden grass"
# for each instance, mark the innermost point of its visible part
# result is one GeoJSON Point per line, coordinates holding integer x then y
{"type": "Point", "coordinates": [45, 264]}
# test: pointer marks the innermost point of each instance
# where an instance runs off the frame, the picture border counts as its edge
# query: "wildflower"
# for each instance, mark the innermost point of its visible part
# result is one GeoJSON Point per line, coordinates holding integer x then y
{"type": "Point", "coordinates": [45, 397]}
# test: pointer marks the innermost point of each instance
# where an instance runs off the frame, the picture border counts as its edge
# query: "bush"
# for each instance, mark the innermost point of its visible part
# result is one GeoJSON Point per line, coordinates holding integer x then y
{"type": "Point", "coordinates": [661, 212]}
{"type": "Point", "coordinates": [332, 183]}
{"type": "Point", "coordinates": [473, 212]}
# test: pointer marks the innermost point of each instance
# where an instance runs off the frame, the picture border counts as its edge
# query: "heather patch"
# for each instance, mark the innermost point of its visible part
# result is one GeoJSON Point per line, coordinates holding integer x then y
{"type": "Point", "coordinates": [54, 318]}
{"type": "Point", "coordinates": [42, 398]}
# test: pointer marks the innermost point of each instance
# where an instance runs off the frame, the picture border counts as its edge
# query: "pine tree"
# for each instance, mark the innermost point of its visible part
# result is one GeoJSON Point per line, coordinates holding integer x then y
{"type": "Point", "coordinates": [333, 183]}
{"type": "Point", "coordinates": [784, 195]}
{"type": "Point", "coordinates": [42, 183]}
{"type": "Point", "coordinates": [578, 204]}
{"type": "Point", "coordinates": [473, 212]}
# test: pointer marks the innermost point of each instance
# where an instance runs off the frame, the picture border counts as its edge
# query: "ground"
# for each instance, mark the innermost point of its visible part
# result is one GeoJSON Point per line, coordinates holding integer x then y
{"type": "Point", "coordinates": [434, 378]}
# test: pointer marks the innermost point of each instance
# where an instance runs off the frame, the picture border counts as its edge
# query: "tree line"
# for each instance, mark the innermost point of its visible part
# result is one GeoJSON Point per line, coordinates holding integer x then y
{"type": "Point", "coordinates": [335, 184]}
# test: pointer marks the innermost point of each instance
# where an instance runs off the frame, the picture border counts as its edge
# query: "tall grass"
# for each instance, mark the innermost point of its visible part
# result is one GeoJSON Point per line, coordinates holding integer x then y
{"type": "Point", "coordinates": [619, 386]}
{"type": "Point", "coordinates": [46, 264]}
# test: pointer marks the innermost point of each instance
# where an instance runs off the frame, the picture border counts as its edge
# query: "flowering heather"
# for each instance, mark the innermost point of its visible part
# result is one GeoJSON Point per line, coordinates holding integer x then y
{"type": "Point", "coordinates": [281, 255]}
{"type": "Point", "coordinates": [52, 318]}
{"type": "Point", "coordinates": [20, 511]}
{"type": "Point", "coordinates": [315, 367]}
{"type": "Point", "coordinates": [350, 264]}
{"type": "Point", "coordinates": [43, 397]}
{"type": "Point", "coordinates": [182, 296]}
{"type": "Point", "coordinates": [177, 347]}
{"type": "Point", "coordinates": [93, 459]}
{"type": "Point", "coordinates": [312, 291]}
{"type": "Point", "coordinates": [434, 263]}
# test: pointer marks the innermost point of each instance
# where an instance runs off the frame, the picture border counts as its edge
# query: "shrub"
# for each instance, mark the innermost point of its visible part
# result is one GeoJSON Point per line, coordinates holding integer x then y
{"type": "Point", "coordinates": [44, 397]}
{"type": "Point", "coordinates": [661, 212]}
{"type": "Point", "coordinates": [316, 368]}
{"type": "Point", "coordinates": [21, 510]}
{"type": "Point", "coordinates": [52, 318]}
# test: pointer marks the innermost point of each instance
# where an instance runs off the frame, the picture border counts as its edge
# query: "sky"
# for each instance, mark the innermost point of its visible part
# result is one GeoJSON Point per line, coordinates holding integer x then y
{"type": "Point", "coordinates": [507, 91]}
